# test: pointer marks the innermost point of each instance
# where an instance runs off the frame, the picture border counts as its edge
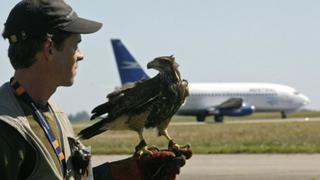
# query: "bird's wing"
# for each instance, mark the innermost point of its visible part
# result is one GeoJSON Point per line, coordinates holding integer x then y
{"type": "Point", "coordinates": [128, 99]}
{"type": "Point", "coordinates": [100, 110]}
{"type": "Point", "coordinates": [95, 129]}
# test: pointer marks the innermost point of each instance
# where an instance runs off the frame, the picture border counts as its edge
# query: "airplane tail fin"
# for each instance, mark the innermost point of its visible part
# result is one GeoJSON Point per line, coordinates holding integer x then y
{"type": "Point", "coordinates": [129, 69]}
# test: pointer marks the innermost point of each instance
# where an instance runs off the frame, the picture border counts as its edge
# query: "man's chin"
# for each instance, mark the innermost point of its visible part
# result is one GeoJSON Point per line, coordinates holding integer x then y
{"type": "Point", "coordinates": [68, 84]}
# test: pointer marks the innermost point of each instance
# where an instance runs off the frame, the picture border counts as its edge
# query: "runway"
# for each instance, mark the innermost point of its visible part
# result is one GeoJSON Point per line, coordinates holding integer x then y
{"type": "Point", "coordinates": [244, 166]}
{"type": "Point", "coordinates": [306, 119]}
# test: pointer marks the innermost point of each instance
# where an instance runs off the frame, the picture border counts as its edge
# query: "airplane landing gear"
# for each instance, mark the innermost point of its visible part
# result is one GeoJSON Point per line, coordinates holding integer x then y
{"type": "Point", "coordinates": [201, 117]}
{"type": "Point", "coordinates": [283, 115]}
{"type": "Point", "coordinates": [218, 119]}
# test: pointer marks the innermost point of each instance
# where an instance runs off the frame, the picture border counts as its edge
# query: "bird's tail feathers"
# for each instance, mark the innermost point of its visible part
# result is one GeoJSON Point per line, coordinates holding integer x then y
{"type": "Point", "coordinates": [92, 130]}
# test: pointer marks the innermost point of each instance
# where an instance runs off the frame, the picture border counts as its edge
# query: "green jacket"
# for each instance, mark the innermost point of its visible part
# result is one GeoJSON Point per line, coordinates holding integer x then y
{"type": "Point", "coordinates": [19, 142]}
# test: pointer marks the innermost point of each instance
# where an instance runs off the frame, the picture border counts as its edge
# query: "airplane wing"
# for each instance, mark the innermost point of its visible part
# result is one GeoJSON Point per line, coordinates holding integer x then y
{"type": "Point", "coordinates": [230, 103]}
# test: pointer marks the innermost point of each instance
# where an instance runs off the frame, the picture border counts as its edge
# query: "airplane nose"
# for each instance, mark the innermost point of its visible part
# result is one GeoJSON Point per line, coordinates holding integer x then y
{"type": "Point", "coordinates": [306, 100]}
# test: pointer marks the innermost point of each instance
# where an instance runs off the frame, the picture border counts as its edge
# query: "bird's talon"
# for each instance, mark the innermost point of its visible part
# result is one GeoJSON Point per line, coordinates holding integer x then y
{"type": "Point", "coordinates": [175, 146]}
{"type": "Point", "coordinates": [144, 151]}
{"type": "Point", "coordinates": [152, 147]}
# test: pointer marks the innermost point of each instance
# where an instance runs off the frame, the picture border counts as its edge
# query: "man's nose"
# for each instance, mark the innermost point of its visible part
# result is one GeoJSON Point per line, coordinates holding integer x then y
{"type": "Point", "coordinates": [80, 56]}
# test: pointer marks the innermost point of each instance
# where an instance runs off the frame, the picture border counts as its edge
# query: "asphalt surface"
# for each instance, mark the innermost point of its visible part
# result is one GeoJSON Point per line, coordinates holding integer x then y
{"type": "Point", "coordinates": [244, 166]}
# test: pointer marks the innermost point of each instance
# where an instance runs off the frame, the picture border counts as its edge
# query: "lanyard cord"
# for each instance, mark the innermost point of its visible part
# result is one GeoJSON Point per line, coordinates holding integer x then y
{"type": "Point", "coordinates": [20, 91]}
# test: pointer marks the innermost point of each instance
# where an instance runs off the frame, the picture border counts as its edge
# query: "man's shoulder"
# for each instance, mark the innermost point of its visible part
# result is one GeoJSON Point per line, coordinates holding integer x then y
{"type": "Point", "coordinates": [10, 110]}
{"type": "Point", "coordinates": [5, 93]}
{"type": "Point", "coordinates": [4, 89]}
{"type": "Point", "coordinates": [8, 103]}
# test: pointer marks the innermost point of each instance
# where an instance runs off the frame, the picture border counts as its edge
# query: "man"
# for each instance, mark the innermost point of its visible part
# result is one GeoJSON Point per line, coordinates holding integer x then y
{"type": "Point", "coordinates": [37, 141]}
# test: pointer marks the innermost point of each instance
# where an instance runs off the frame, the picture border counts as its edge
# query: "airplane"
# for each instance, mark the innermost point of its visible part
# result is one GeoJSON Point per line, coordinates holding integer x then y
{"type": "Point", "coordinates": [219, 99]}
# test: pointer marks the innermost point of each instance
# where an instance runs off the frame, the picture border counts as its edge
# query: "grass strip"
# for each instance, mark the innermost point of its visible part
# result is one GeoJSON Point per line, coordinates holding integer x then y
{"type": "Point", "coordinates": [287, 137]}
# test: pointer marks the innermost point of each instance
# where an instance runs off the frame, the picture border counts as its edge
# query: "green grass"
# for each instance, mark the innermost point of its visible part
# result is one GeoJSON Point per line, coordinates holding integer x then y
{"type": "Point", "coordinates": [259, 115]}
{"type": "Point", "coordinates": [286, 137]}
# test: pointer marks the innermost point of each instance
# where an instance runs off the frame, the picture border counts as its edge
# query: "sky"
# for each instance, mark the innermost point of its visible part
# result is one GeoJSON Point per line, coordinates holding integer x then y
{"type": "Point", "coordinates": [213, 41]}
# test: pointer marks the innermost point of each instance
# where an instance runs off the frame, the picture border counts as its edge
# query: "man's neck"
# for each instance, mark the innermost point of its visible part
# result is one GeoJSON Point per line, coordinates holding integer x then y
{"type": "Point", "coordinates": [38, 87]}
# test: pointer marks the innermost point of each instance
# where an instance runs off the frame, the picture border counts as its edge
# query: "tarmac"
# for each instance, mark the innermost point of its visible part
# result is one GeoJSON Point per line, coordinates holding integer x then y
{"type": "Point", "coordinates": [243, 166]}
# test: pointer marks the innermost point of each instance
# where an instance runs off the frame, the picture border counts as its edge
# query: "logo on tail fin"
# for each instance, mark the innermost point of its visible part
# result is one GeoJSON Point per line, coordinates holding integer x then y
{"type": "Point", "coordinates": [130, 65]}
{"type": "Point", "coordinates": [129, 69]}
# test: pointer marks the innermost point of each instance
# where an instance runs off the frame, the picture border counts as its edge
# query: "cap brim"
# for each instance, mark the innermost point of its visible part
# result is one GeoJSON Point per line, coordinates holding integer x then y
{"type": "Point", "coordinates": [82, 26]}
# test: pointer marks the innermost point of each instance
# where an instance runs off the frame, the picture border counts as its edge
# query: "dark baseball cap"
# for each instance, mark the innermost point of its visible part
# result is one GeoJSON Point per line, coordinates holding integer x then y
{"type": "Point", "coordinates": [35, 18]}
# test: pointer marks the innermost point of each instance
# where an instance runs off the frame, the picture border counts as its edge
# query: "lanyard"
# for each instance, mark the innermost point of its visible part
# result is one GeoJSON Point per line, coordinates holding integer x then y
{"type": "Point", "coordinates": [20, 91]}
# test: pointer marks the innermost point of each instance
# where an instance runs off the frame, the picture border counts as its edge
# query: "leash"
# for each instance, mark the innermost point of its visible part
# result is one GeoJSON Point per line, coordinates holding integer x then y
{"type": "Point", "coordinates": [21, 92]}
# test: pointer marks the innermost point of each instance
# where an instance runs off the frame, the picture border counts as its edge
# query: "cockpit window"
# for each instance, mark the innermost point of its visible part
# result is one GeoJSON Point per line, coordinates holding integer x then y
{"type": "Point", "coordinates": [296, 93]}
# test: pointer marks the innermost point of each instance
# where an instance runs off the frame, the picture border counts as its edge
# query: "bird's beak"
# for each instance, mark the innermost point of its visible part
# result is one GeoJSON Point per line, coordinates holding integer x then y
{"type": "Point", "coordinates": [154, 64]}
{"type": "Point", "coordinates": [150, 65]}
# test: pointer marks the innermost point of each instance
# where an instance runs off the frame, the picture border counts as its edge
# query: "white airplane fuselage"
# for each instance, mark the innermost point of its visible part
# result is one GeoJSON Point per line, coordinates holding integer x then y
{"type": "Point", "coordinates": [265, 97]}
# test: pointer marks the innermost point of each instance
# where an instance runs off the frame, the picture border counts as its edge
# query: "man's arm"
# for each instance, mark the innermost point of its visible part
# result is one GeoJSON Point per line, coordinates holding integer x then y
{"type": "Point", "coordinates": [16, 154]}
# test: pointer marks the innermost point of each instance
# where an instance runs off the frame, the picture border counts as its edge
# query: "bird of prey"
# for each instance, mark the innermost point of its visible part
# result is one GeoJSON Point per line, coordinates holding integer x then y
{"type": "Point", "coordinates": [146, 104]}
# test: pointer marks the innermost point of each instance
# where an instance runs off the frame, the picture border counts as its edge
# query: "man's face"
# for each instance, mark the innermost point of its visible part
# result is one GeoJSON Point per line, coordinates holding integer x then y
{"type": "Point", "coordinates": [65, 61]}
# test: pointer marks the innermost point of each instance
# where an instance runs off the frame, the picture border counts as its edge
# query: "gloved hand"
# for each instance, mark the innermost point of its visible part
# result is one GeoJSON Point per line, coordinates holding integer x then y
{"type": "Point", "coordinates": [159, 165]}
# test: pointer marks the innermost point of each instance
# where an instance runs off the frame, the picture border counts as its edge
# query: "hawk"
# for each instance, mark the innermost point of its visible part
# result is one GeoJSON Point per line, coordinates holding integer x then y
{"type": "Point", "coordinates": [145, 104]}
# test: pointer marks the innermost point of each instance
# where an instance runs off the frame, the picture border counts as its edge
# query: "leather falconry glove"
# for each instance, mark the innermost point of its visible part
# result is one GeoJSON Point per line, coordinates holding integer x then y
{"type": "Point", "coordinates": [159, 165]}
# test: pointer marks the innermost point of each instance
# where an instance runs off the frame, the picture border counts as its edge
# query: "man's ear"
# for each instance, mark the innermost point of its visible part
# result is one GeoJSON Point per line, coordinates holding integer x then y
{"type": "Point", "coordinates": [47, 47]}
